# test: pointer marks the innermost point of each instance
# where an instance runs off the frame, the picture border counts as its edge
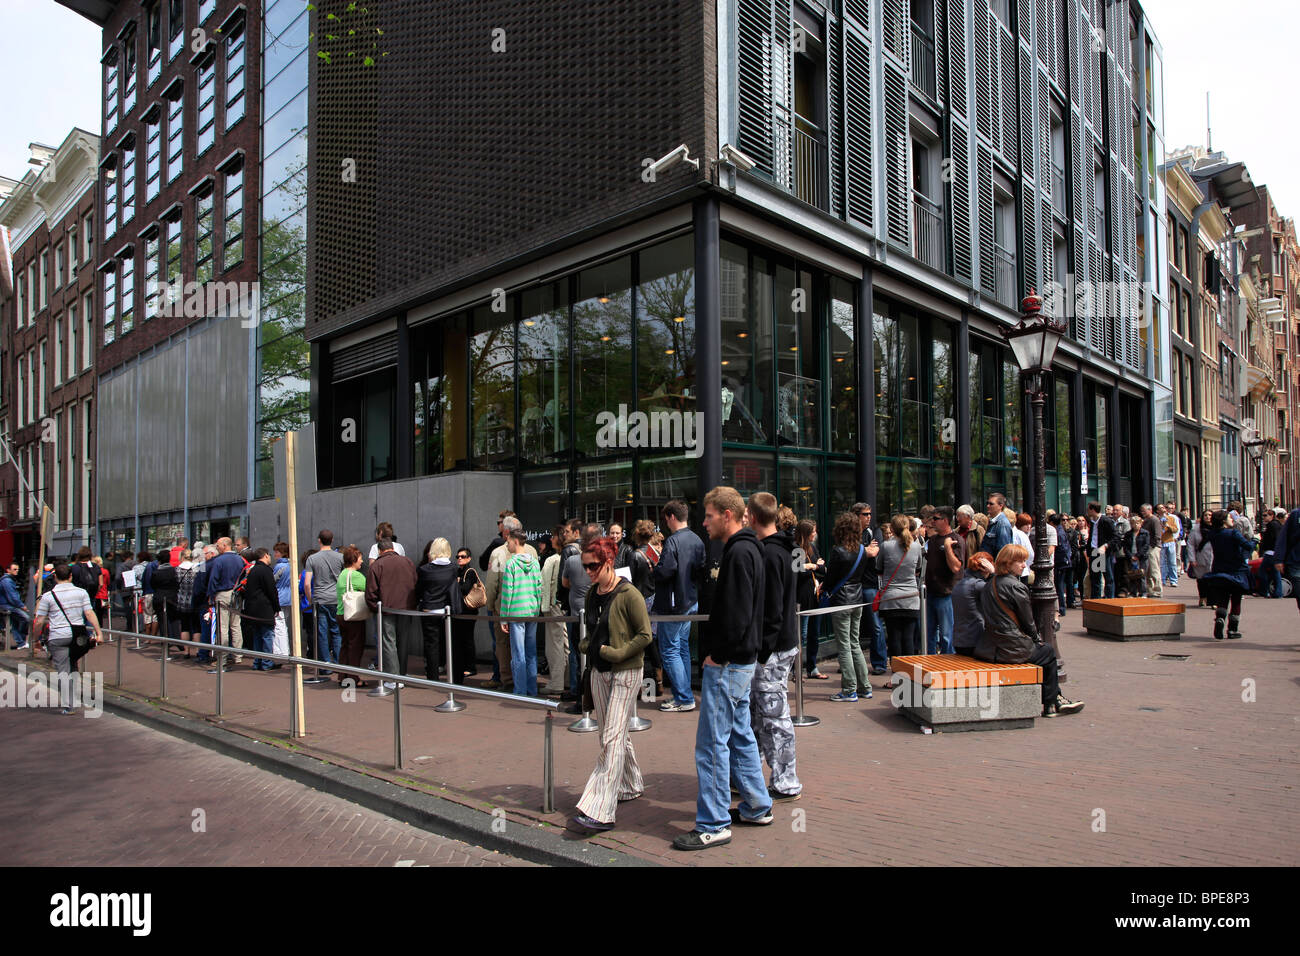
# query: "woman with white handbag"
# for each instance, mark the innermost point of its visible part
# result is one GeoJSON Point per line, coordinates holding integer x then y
{"type": "Point", "coordinates": [352, 613]}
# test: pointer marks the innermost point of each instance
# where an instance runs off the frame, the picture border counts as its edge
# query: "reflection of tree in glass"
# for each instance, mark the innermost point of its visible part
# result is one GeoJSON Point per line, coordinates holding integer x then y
{"type": "Point", "coordinates": [602, 338]}
{"type": "Point", "coordinates": [667, 337]}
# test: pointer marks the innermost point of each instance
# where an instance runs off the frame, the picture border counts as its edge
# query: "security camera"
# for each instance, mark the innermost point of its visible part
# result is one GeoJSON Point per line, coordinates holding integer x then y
{"type": "Point", "coordinates": [737, 158]}
{"type": "Point", "coordinates": [682, 154]}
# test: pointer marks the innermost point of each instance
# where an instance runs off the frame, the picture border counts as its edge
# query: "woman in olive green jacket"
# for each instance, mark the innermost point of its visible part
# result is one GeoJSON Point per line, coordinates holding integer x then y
{"type": "Point", "coordinates": [618, 632]}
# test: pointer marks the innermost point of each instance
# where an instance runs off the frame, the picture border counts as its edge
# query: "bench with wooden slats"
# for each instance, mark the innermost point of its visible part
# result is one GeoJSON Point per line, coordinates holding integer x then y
{"type": "Point", "coordinates": [1135, 619]}
{"type": "Point", "coordinates": [951, 692]}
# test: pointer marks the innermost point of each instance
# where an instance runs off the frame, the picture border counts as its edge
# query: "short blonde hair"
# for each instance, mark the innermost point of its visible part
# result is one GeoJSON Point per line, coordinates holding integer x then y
{"type": "Point", "coordinates": [441, 548]}
{"type": "Point", "coordinates": [1009, 555]}
{"type": "Point", "coordinates": [725, 498]}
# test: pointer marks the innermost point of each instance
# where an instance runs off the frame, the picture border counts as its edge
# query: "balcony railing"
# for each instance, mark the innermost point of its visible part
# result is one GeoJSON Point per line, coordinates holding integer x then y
{"type": "Point", "coordinates": [927, 231]}
{"type": "Point", "coordinates": [1004, 263]}
{"type": "Point", "coordinates": [810, 168]}
{"type": "Point", "coordinates": [1058, 188]}
{"type": "Point", "coordinates": [923, 62]}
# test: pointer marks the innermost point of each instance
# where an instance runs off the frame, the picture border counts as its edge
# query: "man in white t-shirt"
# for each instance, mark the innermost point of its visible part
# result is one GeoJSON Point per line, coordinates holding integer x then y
{"type": "Point", "coordinates": [385, 530]}
{"type": "Point", "coordinates": [64, 606]}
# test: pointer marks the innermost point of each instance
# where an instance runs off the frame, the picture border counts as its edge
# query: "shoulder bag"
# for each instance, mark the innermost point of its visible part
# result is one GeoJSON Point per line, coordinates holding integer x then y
{"type": "Point", "coordinates": [824, 598]}
{"type": "Point", "coordinates": [477, 595]}
{"type": "Point", "coordinates": [354, 602]}
{"type": "Point", "coordinates": [875, 601]}
{"type": "Point", "coordinates": [80, 633]}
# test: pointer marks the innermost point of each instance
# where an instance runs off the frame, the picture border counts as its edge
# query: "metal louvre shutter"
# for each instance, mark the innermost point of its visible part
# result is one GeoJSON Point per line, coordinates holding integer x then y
{"type": "Point", "coordinates": [984, 90]}
{"type": "Point", "coordinates": [754, 136]}
{"type": "Point", "coordinates": [1029, 233]}
{"type": "Point", "coordinates": [858, 156]}
{"type": "Point", "coordinates": [1028, 153]}
{"type": "Point", "coordinates": [960, 201]}
{"type": "Point", "coordinates": [897, 157]}
{"type": "Point", "coordinates": [835, 113]}
{"type": "Point", "coordinates": [896, 31]}
{"type": "Point", "coordinates": [1079, 250]}
{"type": "Point", "coordinates": [366, 356]}
{"type": "Point", "coordinates": [1011, 108]}
{"type": "Point", "coordinates": [984, 175]}
{"type": "Point", "coordinates": [782, 93]}
{"type": "Point", "coordinates": [957, 85]}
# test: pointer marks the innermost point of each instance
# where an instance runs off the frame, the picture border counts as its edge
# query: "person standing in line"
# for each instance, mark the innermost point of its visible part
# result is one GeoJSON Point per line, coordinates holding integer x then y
{"type": "Point", "coordinates": [945, 559]}
{"type": "Point", "coordinates": [497, 541]}
{"type": "Point", "coordinates": [166, 592]}
{"type": "Point", "coordinates": [63, 606]}
{"type": "Point", "coordinates": [1136, 552]}
{"type": "Point", "coordinates": [1063, 557]}
{"type": "Point", "coordinates": [521, 596]}
{"type": "Point", "coordinates": [186, 573]}
{"type": "Point", "coordinates": [1268, 532]}
{"type": "Point", "coordinates": [261, 604]}
{"type": "Point", "coordinates": [618, 632]}
{"type": "Point", "coordinates": [307, 619]}
{"type": "Point", "coordinates": [675, 575]}
{"type": "Point", "coordinates": [1153, 525]}
{"type": "Point", "coordinates": [899, 569]}
{"type": "Point", "coordinates": [1171, 530]}
{"type": "Point", "coordinates": [392, 582]}
{"type": "Point", "coordinates": [434, 580]}
{"type": "Point", "coordinates": [644, 581]}
{"type": "Point", "coordinates": [502, 673]}
{"type": "Point", "coordinates": [283, 574]}
{"type": "Point", "coordinates": [778, 648]}
{"type": "Point", "coordinates": [726, 752]}
{"type": "Point", "coordinates": [223, 575]}
{"type": "Point", "coordinates": [872, 624]}
{"type": "Point", "coordinates": [353, 633]}
{"type": "Point", "coordinates": [557, 635]}
{"type": "Point", "coordinates": [1103, 542]}
{"type": "Point", "coordinates": [203, 602]}
{"type": "Point", "coordinates": [385, 530]}
{"type": "Point", "coordinates": [842, 587]}
{"type": "Point", "coordinates": [11, 603]}
{"type": "Point", "coordinates": [323, 570]}
{"type": "Point", "coordinates": [1000, 531]}
{"type": "Point", "coordinates": [462, 631]}
{"type": "Point", "coordinates": [814, 567]}
{"type": "Point", "coordinates": [971, 533]}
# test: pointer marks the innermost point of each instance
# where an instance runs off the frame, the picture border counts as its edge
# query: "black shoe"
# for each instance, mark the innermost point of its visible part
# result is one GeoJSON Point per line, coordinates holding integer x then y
{"type": "Point", "coordinates": [568, 695]}
{"type": "Point", "coordinates": [1066, 706]}
{"type": "Point", "coordinates": [575, 709]}
{"type": "Point", "coordinates": [1049, 710]}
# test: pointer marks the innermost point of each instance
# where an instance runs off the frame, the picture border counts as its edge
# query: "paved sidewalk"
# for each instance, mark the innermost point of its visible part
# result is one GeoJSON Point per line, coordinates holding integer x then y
{"type": "Point", "coordinates": [1185, 771]}
{"type": "Point", "coordinates": [109, 792]}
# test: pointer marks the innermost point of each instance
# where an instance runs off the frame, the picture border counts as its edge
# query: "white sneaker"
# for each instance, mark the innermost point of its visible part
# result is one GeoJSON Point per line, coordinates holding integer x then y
{"type": "Point", "coordinates": [390, 685]}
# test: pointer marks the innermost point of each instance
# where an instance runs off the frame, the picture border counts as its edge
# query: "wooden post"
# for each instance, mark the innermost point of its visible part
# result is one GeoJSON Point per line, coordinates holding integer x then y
{"type": "Point", "coordinates": [46, 514]}
{"type": "Point", "coordinates": [295, 630]}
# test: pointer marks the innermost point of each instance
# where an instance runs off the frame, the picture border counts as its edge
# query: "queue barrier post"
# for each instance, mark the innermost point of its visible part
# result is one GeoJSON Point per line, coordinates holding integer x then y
{"type": "Point", "coordinates": [162, 671]}
{"type": "Point", "coordinates": [315, 626]}
{"type": "Point", "coordinates": [635, 722]}
{"type": "Point", "coordinates": [379, 689]}
{"type": "Point", "coordinates": [584, 724]}
{"type": "Point", "coordinates": [119, 663]}
{"type": "Point", "coordinates": [397, 726]}
{"type": "Point", "coordinates": [221, 652]}
{"type": "Point", "coordinates": [548, 769]}
{"type": "Point", "coordinates": [801, 719]}
{"type": "Point", "coordinates": [451, 705]}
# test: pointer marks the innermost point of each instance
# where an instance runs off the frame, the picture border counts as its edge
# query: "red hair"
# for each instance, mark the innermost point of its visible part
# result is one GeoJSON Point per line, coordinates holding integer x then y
{"type": "Point", "coordinates": [603, 549]}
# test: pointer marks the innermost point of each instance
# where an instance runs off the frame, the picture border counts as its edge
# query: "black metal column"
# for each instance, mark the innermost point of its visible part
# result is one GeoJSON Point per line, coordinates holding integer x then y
{"type": "Point", "coordinates": [1112, 441]}
{"type": "Point", "coordinates": [963, 410]}
{"type": "Point", "coordinates": [865, 466]}
{"type": "Point", "coordinates": [1077, 426]}
{"type": "Point", "coordinates": [708, 339]}
{"type": "Point", "coordinates": [404, 439]}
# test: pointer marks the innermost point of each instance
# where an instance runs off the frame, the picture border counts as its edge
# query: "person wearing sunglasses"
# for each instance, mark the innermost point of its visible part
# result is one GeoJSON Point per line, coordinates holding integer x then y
{"type": "Point", "coordinates": [618, 632]}
{"type": "Point", "coordinates": [872, 628]}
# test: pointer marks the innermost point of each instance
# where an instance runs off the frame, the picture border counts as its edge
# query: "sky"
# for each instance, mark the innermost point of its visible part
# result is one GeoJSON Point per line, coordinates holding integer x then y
{"type": "Point", "coordinates": [1238, 51]}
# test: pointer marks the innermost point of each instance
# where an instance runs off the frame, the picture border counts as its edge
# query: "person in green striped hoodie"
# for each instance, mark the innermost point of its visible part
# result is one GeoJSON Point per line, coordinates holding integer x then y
{"type": "Point", "coordinates": [521, 596]}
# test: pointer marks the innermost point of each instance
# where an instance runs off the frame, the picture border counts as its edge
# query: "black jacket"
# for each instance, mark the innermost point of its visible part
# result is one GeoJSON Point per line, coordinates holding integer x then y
{"type": "Point", "coordinates": [261, 597]}
{"type": "Point", "coordinates": [166, 586]}
{"type": "Point", "coordinates": [1107, 534]}
{"type": "Point", "coordinates": [433, 583]}
{"type": "Point", "coordinates": [1009, 631]}
{"type": "Point", "coordinates": [680, 563]}
{"type": "Point", "coordinates": [733, 633]}
{"type": "Point", "coordinates": [780, 596]}
{"type": "Point", "coordinates": [838, 567]}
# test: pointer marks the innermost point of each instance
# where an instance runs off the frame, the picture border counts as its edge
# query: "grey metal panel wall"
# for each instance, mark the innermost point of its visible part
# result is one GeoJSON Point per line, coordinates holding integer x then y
{"type": "Point", "coordinates": [218, 436]}
{"type": "Point", "coordinates": [162, 431]}
{"type": "Point", "coordinates": [115, 438]}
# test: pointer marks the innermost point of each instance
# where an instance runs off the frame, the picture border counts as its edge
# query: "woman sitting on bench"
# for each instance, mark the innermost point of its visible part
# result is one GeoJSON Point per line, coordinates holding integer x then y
{"type": "Point", "coordinates": [1010, 636]}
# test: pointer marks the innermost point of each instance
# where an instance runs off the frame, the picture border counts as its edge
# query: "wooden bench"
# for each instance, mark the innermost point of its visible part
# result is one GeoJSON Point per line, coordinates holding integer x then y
{"type": "Point", "coordinates": [1135, 619]}
{"type": "Point", "coordinates": [951, 692]}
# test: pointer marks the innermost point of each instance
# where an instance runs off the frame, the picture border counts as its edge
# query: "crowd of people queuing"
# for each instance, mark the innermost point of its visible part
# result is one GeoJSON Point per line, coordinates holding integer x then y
{"type": "Point", "coordinates": [744, 583]}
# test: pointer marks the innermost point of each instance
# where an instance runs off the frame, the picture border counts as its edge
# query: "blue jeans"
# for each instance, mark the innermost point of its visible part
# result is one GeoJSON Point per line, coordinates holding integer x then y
{"type": "Point", "coordinates": [1103, 581]}
{"type": "Point", "coordinates": [873, 630]}
{"type": "Point", "coordinates": [726, 752]}
{"type": "Point", "coordinates": [1272, 575]}
{"type": "Point", "coordinates": [329, 641]}
{"type": "Point", "coordinates": [938, 624]}
{"type": "Point", "coordinates": [18, 623]}
{"type": "Point", "coordinates": [675, 649]}
{"type": "Point", "coordinates": [1169, 562]}
{"type": "Point", "coordinates": [263, 634]}
{"type": "Point", "coordinates": [523, 656]}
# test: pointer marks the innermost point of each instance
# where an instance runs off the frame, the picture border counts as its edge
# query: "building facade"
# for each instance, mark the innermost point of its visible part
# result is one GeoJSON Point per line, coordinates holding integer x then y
{"type": "Point", "coordinates": [177, 267]}
{"type": "Point", "coordinates": [49, 348]}
{"type": "Point", "coordinates": [877, 187]}
{"type": "Point", "coordinates": [1183, 205]}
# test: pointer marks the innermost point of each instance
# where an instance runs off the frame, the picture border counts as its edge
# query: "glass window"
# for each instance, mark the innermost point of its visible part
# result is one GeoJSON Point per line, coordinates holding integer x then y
{"type": "Point", "coordinates": [798, 484]}
{"type": "Point", "coordinates": [126, 293]}
{"type": "Point", "coordinates": [74, 337]}
{"type": "Point", "coordinates": [885, 350]}
{"type": "Point", "coordinates": [492, 377]}
{"type": "Point", "coordinates": [176, 134]}
{"type": "Point", "coordinates": [172, 241]}
{"type": "Point", "coordinates": [110, 93]}
{"type": "Point", "coordinates": [235, 76]}
{"type": "Point", "coordinates": [745, 344]}
{"type": "Point", "coordinates": [58, 266]}
{"type": "Point", "coordinates": [152, 156]}
{"type": "Point", "coordinates": [128, 181]}
{"type": "Point", "coordinates": [207, 106]}
{"type": "Point", "coordinates": [153, 38]}
{"type": "Point", "coordinates": [798, 372]}
{"type": "Point", "coordinates": [666, 330]}
{"type": "Point", "coordinates": [749, 471]}
{"type": "Point", "coordinates": [233, 210]}
{"type": "Point", "coordinates": [603, 492]}
{"type": "Point", "coordinates": [206, 8]}
{"type": "Point", "coordinates": [110, 203]}
{"type": "Point", "coordinates": [128, 73]}
{"type": "Point", "coordinates": [942, 372]}
{"type": "Point", "coordinates": [1013, 419]}
{"type": "Point", "coordinates": [110, 303]}
{"type": "Point", "coordinates": [175, 28]}
{"type": "Point", "coordinates": [151, 265]}
{"type": "Point", "coordinates": [602, 332]}
{"type": "Point", "coordinates": [914, 418]}
{"type": "Point", "coordinates": [87, 330]}
{"type": "Point", "coordinates": [544, 423]}
{"type": "Point", "coordinates": [285, 45]}
{"type": "Point", "coordinates": [843, 364]}
{"type": "Point", "coordinates": [203, 238]}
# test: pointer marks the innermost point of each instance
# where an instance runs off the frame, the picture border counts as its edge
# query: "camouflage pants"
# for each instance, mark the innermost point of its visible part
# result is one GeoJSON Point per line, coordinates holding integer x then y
{"type": "Point", "coordinates": [769, 703]}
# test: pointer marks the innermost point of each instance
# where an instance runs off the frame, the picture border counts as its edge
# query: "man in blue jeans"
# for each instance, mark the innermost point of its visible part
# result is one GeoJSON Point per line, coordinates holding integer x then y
{"type": "Point", "coordinates": [679, 562]}
{"type": "Point", "coordinates": [726, 752]}
{"type": "Point", "coordinates": [872, 630]}
{"type": "Point", "coordinates": [944, 560]}
{"type": "Point", "coordinates": [323, 570]}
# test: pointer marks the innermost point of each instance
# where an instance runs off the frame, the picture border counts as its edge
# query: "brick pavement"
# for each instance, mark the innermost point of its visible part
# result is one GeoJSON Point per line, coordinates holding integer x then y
{"type": "Point", "coordinates": [110, 792]}
{"type": "Point", "coordinates": [1186, 772]}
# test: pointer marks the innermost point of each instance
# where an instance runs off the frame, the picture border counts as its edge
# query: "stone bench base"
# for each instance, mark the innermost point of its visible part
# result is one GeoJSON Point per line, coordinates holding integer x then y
{"type": "Point", "coordinates": [954, 710]}
{"type": "Point", "coordinates": [1134, 619]}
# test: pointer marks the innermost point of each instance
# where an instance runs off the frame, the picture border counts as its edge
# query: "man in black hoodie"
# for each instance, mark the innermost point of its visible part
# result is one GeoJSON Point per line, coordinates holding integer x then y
{"type": "Point", "coordinates": [725, 749]}
{"type": "Point", "coordinates": [770, 698]}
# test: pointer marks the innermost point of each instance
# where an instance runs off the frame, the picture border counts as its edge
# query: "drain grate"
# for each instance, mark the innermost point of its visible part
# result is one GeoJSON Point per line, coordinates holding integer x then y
{"type": "Point", "coordinates": [1174, 657]}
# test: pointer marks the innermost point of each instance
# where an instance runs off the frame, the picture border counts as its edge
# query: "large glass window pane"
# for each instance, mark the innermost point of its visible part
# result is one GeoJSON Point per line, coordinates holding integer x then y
{"type": "Point", "coordinates": [943, 376]}
{"type": "Point", "coordinates": [916, 487]}
{"type": "Point", "coordinates": [885, 349]}
{"type": "Point", "coordinates": [886, 490]}
{"type": "Point", "coordinates": [662, 477]}
{"type": "Point", "coordinates": [843, 359]}
{"type": "Point", "coordinates": [377, 433]}
{"type": "Point", "coordinates": [799, 482]}
{"type": "Point", "coordinates": [991, 449]}
{"type": "Point", "coordinates": [1064, 459]}
{"type": "Point", "coordinates": [748, 472]}
{"type": "Point", "coordinates": [1102, 414]}
{"type": "Point", "coordinates": [798, 389]}
{"type": "Point", "coordinates": [282, 48]}
{"type": "Point", "coordinates": [666, 330]}
{"type": "Point", "coordinates": [742, 388]}
{"type": "Point", "coordinates": [914, 421]}
{"type": "Point", "coordinates": [492, 374]}
{"type": "Point", "coordinates": [602, 332]}
{"type": "Point", "coordinates": [544, 375]}
{"type": "Point", "coordinates": [841, 492]}
{"type": "Point", "coordinates": [543, 499]}
{"type": "Point", "coordinates": [604, 492]}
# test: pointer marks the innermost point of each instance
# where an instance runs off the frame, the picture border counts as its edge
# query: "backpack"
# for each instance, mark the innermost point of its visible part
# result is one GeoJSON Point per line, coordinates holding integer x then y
{"type": "Point", "coordinates": [86, 578]}
{"type": "Point", "coordinates": [185, 589]}
{"type": "Point", "coordinates": [241, 587]}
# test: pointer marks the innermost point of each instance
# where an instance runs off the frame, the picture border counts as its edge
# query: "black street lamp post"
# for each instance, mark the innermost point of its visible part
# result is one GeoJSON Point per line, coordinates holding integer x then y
{"type": "Point", "coordinates": [1033, 342]}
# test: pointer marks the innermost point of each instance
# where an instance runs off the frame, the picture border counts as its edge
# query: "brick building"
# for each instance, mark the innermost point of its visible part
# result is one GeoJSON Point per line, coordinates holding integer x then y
{"type": "Point", "coordinates": [179, 192]}
{"type": "Point", "coordinates": [49, 347]}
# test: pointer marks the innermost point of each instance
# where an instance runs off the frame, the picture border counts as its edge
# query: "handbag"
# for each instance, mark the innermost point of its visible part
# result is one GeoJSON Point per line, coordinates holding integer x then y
{"type": "Point", "coordinates": [875, 601]}
{"type": "Point", "coordinates": [80, 645]}
{"type": "Point", "coordinates": [354, 604]}
{"type": "Point", "coordinates": [477, 596]}
{"type": "Point", "coordinates": [824, 597]}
